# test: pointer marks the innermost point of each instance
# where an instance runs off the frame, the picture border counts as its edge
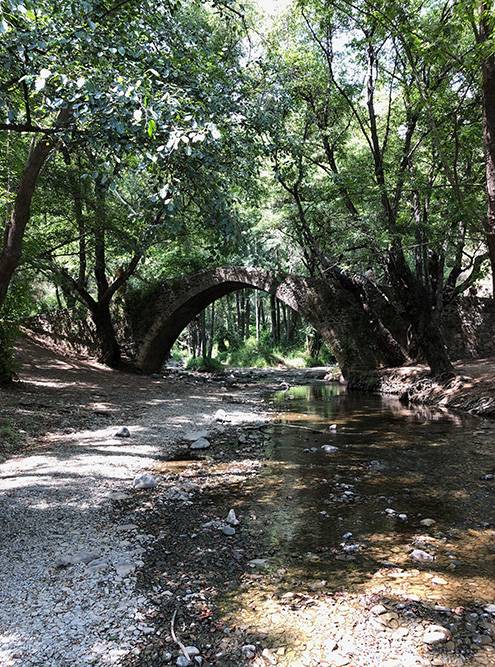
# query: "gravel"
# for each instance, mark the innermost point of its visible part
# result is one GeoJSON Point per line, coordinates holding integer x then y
{"type": "Point", "coordinates": [68, 569]}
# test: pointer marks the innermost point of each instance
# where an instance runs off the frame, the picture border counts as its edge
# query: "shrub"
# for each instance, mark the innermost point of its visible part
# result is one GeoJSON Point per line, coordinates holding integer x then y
{"type": "Point", "coordinates": [204, 365]}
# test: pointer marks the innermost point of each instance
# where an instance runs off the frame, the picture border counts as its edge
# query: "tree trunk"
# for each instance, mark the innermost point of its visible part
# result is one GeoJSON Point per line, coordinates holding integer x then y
{"type": "Point", "coordinates": [486, 33]}
{"type": "Point", "coordinates": [14, 231]}
{"type": "Point", "coordinates": [273, 316]}
{"type": "Point", "coordinates": [422, 315]}
{"type": "Point", "coordinates": [110, 354]}
{"type": "Point", "coordinates": [212, 331]}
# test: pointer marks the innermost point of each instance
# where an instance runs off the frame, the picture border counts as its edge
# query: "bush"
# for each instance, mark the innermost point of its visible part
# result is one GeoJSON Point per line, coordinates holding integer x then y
{"type": "Point", "coordinates": [204, 365]}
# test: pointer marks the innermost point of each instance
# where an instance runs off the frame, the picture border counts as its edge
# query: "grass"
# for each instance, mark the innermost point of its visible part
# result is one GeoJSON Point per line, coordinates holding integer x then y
{"type": "Point", "coordinates": [260, 354]}
{"type": "Point", "coordinates": [10, 438]}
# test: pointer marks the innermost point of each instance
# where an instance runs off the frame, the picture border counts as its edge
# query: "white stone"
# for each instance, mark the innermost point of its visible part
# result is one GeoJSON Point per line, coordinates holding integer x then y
{"type": "Point", "coordinates": [232, 518]}
{"type": "Point", "coordinates": [144, 481]}
{"type": "Point", "coordinates": [490, 608]}
{"type": "Point", "coordinates": [182, 661]}
{"type": "Point", "coordinates": [378, 609]}
{"type": "Point", "coordinates": [436, 634]}
{"type": "Point", "coordinates": [259, 563]}
{"type": "Point", "coordinates": [332, 427]}
{"type": "Point", "coordinates": [228, 530]}
{"type": "Point", "coordinates": [192, 651]}
{"type": "Point", "coordinates": [329, 449]}
{"type": "Point", "coordinates": [421, 556]}
{"type": "Point", "coordinates": [248, 651]}
{"type": "Point", "coordinates": [220, 416]}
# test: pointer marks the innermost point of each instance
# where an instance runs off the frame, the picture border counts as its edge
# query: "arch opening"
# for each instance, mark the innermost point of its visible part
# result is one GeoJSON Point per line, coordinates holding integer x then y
{"type": "Point", "coordinates": [248, 327]}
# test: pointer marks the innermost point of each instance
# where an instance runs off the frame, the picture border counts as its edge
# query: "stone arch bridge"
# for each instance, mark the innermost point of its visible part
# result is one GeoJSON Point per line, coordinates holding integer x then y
{"type": "Point", "coordinates": [158, 314]}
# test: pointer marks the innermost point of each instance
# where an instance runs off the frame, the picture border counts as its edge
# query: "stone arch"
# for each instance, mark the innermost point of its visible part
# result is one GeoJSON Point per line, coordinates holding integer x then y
{"type": "Point", "coordinates": [158, 315]}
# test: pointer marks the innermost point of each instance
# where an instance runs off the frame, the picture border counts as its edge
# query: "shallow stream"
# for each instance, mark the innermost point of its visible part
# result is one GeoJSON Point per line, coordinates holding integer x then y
{"type": "Point", "coordinates": [344, 515]}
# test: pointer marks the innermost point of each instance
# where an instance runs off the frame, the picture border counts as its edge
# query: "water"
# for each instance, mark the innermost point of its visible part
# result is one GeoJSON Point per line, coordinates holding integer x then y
{"type": "Point", "coordinates": [421, 463]}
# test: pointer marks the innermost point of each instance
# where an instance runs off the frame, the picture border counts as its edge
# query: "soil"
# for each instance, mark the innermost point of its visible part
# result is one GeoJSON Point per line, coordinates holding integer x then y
{"type": "Point", "coordinates": [471, 389]}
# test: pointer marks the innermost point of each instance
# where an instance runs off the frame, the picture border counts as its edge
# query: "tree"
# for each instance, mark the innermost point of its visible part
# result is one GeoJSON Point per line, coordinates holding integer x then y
{"type": "Point", "coordinates": [371, 137]}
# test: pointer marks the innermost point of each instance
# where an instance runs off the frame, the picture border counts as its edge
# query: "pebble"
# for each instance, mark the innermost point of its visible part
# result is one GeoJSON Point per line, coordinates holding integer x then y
{"type": "Point", "coordinates": [124, 569]}
{"type": "Point", "coordinates": [490, 608]}
{"type": "Point", "coordinates": [268, 656]}
{"type": "Point", "coordinates": [427, 522]}
{"type": "Point", "coordinates": [378, 609]}
{"type": "Point", "coordinates": [329, 449]}
{"type": "Point", "coordinates": [232, 518]}
{"type": "Point", "coordinates": [192, 651]}
{"type": "Point", "coordinates": [182, 661]}
{"type": "Point", "coordinates": [332, 427]}
{"type": "Point", "coordinates": [436, 634]}
{"type": "Point", "coordinates": [192, 436]}
{"type": "Point", "coordinates": [123, 432]}
{"type": "Point", "coordinates": [248, 651]}
{"type": "Point", "coordinates": [228, 530]}
{"type": "Point", "coordinates": [200, 443]}
{"type": "Point", "coordinates": [144, 481]}
{"type": "Point", "coordinates": [258, 563]}
{"type": "Point", "coordinates": [421, 556]}
{"type": "Point", "coordinates": [220, 416]}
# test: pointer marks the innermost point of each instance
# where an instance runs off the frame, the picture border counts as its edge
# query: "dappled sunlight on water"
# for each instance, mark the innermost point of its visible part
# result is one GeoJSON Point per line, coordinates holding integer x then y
{"type": "Point", "coordinates": [344, 525]}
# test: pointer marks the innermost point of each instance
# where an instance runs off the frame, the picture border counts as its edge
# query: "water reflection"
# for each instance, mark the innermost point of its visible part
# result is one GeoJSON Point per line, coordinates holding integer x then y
{"type": "Point", "coordinates": [416, 462]}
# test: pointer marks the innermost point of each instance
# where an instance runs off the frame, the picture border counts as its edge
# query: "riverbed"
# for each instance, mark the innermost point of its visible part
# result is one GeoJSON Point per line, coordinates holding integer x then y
{"type": "Point", "coordinates": [365, 536]}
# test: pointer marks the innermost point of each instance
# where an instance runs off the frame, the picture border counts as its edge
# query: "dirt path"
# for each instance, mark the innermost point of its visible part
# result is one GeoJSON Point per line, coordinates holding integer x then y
{"type": "Point", "coordinates": [67, 569]}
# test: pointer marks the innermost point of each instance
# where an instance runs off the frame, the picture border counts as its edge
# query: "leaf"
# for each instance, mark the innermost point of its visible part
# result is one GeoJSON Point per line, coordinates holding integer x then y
{"type": "Point", "coordinates": [151, 127]}
{"type": "Point", "coordinates": [138, 115]}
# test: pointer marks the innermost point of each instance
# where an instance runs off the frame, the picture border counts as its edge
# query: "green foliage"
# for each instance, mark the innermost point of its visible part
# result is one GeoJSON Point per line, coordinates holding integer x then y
{"type": "Point", "coordinates": [204, 365]}
{"type": "Point", "coordinates": [20, 303]}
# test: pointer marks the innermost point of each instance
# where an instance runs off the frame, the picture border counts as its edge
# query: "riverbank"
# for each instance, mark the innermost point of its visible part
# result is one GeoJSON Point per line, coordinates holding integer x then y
{"type": "Point", "coordinates": [471, 390]}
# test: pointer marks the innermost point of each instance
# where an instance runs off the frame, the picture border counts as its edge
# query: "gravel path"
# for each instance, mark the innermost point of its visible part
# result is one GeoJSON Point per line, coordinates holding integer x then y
{"type": "Point", "coordinates": [68, 567]}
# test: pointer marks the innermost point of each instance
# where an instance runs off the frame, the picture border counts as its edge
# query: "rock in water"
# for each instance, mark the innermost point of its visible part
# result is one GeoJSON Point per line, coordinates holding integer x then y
{"type": "Point", "coordinates": [182, 661]}
{"type": "Point", "coordinates": [200, 443]}
{"type": "Point", "coordinates": [421, 556]}
{"type": "Point", "coordinates": [329, 449]}
{"type": "Point", "coordinates": [220, 416]}
{"type": "Point", "coordinates": [123, 432]}
{"type": "Point", "coordinates": [144, 481]}
{"type": "Point", "coordinates": [232, 519]}
{"type": "Point", "coordinates": [192, 651]}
